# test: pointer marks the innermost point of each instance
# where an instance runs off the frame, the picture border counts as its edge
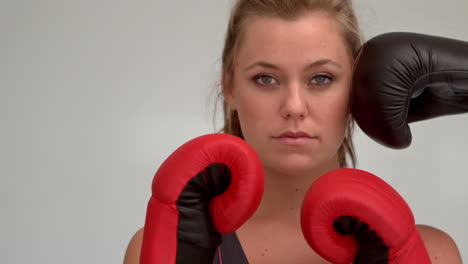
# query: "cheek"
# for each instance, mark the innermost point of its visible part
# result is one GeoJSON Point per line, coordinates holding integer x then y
{"type": "Point", "coordinates": [245, 100]}
{"type": "Point", "coordinates": [344, 107]}
{"type": "Point", "coordinates": [337, 114]}
{"type": "Point", "coordinates": [251, 113]}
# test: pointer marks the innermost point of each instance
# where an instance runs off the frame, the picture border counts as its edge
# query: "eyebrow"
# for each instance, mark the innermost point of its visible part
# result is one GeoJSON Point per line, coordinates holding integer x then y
{"type": "Point", "coordinates": [316, 63]}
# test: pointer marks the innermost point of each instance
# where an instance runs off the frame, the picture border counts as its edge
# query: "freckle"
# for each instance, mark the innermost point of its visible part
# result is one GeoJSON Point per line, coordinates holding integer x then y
{"type": "Point", "coordinates": [263, 254]}
{"type": "Point", "coordinates": [297, 189]}
{"type": "Point", "coordinates": [266, 249]}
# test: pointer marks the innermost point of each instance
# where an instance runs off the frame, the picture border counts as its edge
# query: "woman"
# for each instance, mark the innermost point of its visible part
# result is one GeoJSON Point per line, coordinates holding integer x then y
{"type": "Point", "coordinates": [287, 71]}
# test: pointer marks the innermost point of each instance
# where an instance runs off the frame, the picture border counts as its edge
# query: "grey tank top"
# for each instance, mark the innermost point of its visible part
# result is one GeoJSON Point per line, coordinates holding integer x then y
{"type": "Point", "coordinates": [230, 251]}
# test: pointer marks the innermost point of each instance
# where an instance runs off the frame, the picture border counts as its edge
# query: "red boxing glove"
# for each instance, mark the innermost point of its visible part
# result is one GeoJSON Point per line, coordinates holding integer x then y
{"type": "Point", "coordinates": [350, 215]}
{"type": "Point", "coordinates": [210, 185]}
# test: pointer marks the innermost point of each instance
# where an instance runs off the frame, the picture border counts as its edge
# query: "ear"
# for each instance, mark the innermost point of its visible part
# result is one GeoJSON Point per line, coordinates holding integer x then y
{"type": "Point", "coordinates": [228, 91]}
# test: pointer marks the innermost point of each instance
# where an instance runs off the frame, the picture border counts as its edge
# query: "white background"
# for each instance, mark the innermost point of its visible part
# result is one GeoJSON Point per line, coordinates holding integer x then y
{"type": "Point", "coordinates": [96, 94]}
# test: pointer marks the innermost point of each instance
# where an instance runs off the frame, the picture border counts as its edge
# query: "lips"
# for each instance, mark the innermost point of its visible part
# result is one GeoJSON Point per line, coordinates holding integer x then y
{"type": "Point", "coordinates": [291, 134]}
{"type": "Point", "coordinates": [294, 138]}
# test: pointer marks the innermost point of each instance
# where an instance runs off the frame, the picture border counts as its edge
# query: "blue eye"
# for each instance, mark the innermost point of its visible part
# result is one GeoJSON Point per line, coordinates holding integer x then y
{"type": "Point", "coordinates": [321, 79]}
{"type": "Point", "coordinates": [264, 80]}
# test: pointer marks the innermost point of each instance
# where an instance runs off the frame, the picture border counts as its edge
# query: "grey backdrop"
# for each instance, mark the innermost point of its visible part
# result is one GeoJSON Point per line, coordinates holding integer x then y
{"type": "Point", "coordinates": [96, 94]}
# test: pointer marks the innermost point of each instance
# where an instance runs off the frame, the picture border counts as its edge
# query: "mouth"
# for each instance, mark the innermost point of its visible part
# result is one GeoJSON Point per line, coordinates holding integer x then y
{"type": "Point", "coordinates": [295, 138]}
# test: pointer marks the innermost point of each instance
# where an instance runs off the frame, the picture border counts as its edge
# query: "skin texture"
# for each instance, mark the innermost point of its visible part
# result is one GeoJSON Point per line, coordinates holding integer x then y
{"type": "Point", "coordinates": [293, 76]}
{"type": "Point", "coordinates": [306, 88]}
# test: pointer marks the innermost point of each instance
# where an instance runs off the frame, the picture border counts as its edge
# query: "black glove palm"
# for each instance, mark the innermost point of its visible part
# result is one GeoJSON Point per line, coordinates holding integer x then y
{"type": "Point", "coordinates": [372, 250]}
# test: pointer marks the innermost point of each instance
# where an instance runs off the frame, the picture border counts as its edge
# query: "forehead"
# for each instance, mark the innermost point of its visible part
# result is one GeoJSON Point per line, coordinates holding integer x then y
{"type": "Point", "coordinates": [309, 37]}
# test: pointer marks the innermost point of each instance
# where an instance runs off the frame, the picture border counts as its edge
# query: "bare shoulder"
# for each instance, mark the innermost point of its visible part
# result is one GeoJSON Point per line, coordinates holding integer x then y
{"type": "Point", "coordinates": [440, 246]}
{"type": "Point", "coordinates": [132, 255]}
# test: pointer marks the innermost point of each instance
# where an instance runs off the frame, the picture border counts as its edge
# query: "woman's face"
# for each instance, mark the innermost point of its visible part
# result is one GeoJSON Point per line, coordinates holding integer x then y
{"type": "Point", "coordinates": [291, 89]}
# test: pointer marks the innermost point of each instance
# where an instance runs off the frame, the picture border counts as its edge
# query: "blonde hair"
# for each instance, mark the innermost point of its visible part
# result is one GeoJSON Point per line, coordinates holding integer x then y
{"type": "Point", "coordinates": [341, 10]}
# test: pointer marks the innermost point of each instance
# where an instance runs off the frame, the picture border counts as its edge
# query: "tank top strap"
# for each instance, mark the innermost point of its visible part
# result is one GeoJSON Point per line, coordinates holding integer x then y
{"type": "Point", "coordinates": [230, 251]}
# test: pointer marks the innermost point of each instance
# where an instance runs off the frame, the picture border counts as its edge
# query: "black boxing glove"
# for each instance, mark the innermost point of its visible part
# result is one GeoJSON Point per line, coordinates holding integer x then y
{"type": "Point", "coordinates": [400, 78]}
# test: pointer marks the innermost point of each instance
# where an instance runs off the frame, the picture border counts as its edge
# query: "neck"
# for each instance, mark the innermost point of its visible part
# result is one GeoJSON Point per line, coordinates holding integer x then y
{"type": "Point", "coordinates": [284, 193]}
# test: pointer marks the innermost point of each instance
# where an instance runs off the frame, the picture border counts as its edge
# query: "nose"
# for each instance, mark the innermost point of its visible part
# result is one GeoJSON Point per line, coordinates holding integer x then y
{"type": "Point", "coordinates": [294, 105]}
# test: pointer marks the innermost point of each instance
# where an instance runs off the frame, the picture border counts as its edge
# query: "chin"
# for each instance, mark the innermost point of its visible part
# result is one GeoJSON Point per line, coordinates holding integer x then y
{"type": "Point", "coordinates": [295, 165]}
{"type": "Point", "coordinates": [300, 164]}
